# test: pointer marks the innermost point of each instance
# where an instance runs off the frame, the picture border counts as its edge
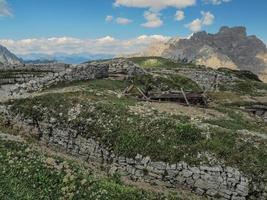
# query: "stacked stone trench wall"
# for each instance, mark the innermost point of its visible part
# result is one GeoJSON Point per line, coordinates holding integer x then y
{"type": "Point", "coordinates": [216, 182]}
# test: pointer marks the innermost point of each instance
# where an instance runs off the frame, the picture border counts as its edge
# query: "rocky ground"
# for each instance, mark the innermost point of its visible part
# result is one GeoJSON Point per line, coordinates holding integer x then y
{"type": "Point", "coordinates": [217, 151]}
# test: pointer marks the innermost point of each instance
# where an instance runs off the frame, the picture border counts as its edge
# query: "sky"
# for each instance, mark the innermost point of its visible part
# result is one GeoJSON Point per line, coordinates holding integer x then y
{"type": "Point", "coordinates": [118, 26]}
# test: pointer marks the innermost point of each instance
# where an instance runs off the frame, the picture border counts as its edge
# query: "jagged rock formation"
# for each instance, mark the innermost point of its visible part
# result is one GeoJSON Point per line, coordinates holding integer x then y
{"type": "Point", "coordinates": [6, 57]}
{"type": "Point", "coordinates": [229, 48]}
{"type": "Point", "coordinates": [230, 45]}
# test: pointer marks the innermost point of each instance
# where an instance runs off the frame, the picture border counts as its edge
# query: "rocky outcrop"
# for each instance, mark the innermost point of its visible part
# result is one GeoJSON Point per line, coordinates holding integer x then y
{"type": "Point", "coordinates": [124, 67]}
{"type": "Point", "coordinates": [208, 56]}
{"type": "Point", "coordinates": [6, 57]}
{"type": "Point", "coordinates": [229, 48]}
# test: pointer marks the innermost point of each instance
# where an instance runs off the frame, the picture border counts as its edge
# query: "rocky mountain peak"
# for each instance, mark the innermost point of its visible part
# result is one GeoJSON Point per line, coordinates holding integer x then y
{"type": "Point", "coordinates": [231, 47]}
{"type": "Point", "coordinates": [6, 57]}
{"type": "Point", "coordinates": [236, 31]}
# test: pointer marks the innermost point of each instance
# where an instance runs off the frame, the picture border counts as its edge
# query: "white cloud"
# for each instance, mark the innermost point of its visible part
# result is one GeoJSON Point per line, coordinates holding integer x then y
{"type": "Point", "coordinates": [207, 18]}
{"type": "Point", "coordinates": [216, 2]}
{"type": "Point", "coordinates": [69, 45]}
{"type": "Point", "coordinates": [153, 20]}
{"type": "Point", "coordinates": [197, 24]}
{"type": "Point", "coordinates": [5, 11]}
{"type": "Point", "coordinates": [109, 18]}
{"type": "Point", "coordinates": [123, 21]}
{"type": "Point", "coordinates": [179, 16]}
{"type": "Point", "coordinates": [155, 4]}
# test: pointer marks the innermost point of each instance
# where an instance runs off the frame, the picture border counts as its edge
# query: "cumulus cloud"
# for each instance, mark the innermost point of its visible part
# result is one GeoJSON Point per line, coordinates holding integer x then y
{"type": "Point", "coordinates": [69, 45]}
{"type": "Point", "coordinates": [5, 10]}
{"type": "Point", "coordinates": [109, 18]}
{"type": "Point", "coordinates": [123, 21]}
{"type": "Point", "coordinates": [197, 24]}
{"type": "Point", "coordinates": [179, 16]}
{"type": "Point", "coordinates": [216, 2]}
{"type": "Point", "coordinates": [155, 4]}
{"type": "Point", "coordinates": [153, 20]}
{"type": "Point", "coordinates": [207, 18]}
{"type": "Point", "coordinates": [118, 20]}
{"type": "Point", "coordinates": [154, 7]}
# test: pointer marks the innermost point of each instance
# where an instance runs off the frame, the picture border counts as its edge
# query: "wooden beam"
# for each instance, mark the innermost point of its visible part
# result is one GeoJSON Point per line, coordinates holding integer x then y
{"type": "Point", "coordinates": [186, 100]}
{"type": "Point", "coordinates": [142, 93]}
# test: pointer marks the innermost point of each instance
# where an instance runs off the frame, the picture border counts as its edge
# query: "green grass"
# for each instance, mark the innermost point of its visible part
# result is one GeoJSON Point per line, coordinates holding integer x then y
{"type": "Point", "coordinates": [146, 82]}
{"type": "Point", "coordinates": [246, 87]}
{"type": "Point", "coordinates": [242, 74]}
{"type": "Point", "coordinates": [161, 136]}
{"type": "Point", "coordinates": [165, 83]}
{"type": "Point", "coordinates": [27, 174]}
{"type": "Point", "coordinates": [99, 84]}
{"type": "Point", "coordinates": [236, 120]}
{"type": "Point", "coordinates": [111, 122]}
{"type": "Point", "coordinates": [158, 62]}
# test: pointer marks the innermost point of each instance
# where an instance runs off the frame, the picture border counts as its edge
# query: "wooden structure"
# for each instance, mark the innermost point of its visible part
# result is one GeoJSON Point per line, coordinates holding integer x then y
{"type": "Point", "coordinates": [186, 98]}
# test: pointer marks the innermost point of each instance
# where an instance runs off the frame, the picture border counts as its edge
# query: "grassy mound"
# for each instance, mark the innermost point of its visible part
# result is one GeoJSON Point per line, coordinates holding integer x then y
{"type": "Point", "coordinates": [158, 62]}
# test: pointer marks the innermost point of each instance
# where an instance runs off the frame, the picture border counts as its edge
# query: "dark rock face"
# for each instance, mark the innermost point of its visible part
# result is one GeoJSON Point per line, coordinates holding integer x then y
{"type": "Point", "coordinates": [6, 57]}
{"type": "Point", "coordinates": [234, 43]}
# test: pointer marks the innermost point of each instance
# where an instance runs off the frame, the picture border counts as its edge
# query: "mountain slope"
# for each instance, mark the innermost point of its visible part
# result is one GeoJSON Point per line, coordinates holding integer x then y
{"type": "Point", "coordinates": [6, 57]}
{"type": "Point", "coordinates": [229, 48]}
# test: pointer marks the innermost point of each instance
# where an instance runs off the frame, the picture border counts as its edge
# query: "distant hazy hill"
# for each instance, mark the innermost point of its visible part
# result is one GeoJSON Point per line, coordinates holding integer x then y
{"type": "Point", "coordinates": [230, 47]}
{"type": "Point", "coordinates": [65, 58]}
{"type": "Point", "coordinates": [6, 57]}
{"type": "Point", "coordinates": [40, 61]}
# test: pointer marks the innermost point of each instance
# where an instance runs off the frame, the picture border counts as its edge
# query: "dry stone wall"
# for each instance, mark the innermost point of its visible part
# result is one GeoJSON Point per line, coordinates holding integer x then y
{"type": "Point", "coordinates": [216, 182]}
{"type": "Point", "coordinates": [20, 78]}
{"type": "Point", "coordinates": [124, 66]}
{"type": "Point", "coordinates": [52, 67]}
{"type": "Point", "coordinates": [73, 73]}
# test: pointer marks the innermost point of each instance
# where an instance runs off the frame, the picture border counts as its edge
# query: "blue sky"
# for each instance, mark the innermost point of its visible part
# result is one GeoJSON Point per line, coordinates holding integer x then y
{"type": "Point", "coordinates": [123, 20]}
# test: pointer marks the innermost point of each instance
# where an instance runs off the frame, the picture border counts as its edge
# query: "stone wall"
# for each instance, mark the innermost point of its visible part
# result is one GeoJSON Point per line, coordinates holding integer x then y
{"type": "Point", "coordinates": [124, 67]}
{"type": "Point", "coordinates": [207, 79]}
{"type": "Point", "coordinates": [52, 67]}
{"type": "Point", "coordinates": [258, 110]}
{"type": "Point", "coordinates": [73, 73]}
{"type": "Point", "coordinates": [20, 78]}
{"type": "Point", "coordinates": [216, 182]}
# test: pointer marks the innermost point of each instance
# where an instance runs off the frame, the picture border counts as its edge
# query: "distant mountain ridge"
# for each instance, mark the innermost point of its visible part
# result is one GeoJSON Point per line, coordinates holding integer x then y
{"type": "Point", "coordinates": [6, 57]}
{"type": "Point", "coordinates": [64, 58]}
{"type": "Point", "coordinates": [230, 48]}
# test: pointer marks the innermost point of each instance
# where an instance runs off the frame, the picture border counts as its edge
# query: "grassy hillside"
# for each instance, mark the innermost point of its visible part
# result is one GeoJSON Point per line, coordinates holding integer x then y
{"type": "Point", "coordinates": [157, 62]}
{"type": "Point", "coordinates": [130, 127]}
{"type": "Point", "coordinates": [27, 173]}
